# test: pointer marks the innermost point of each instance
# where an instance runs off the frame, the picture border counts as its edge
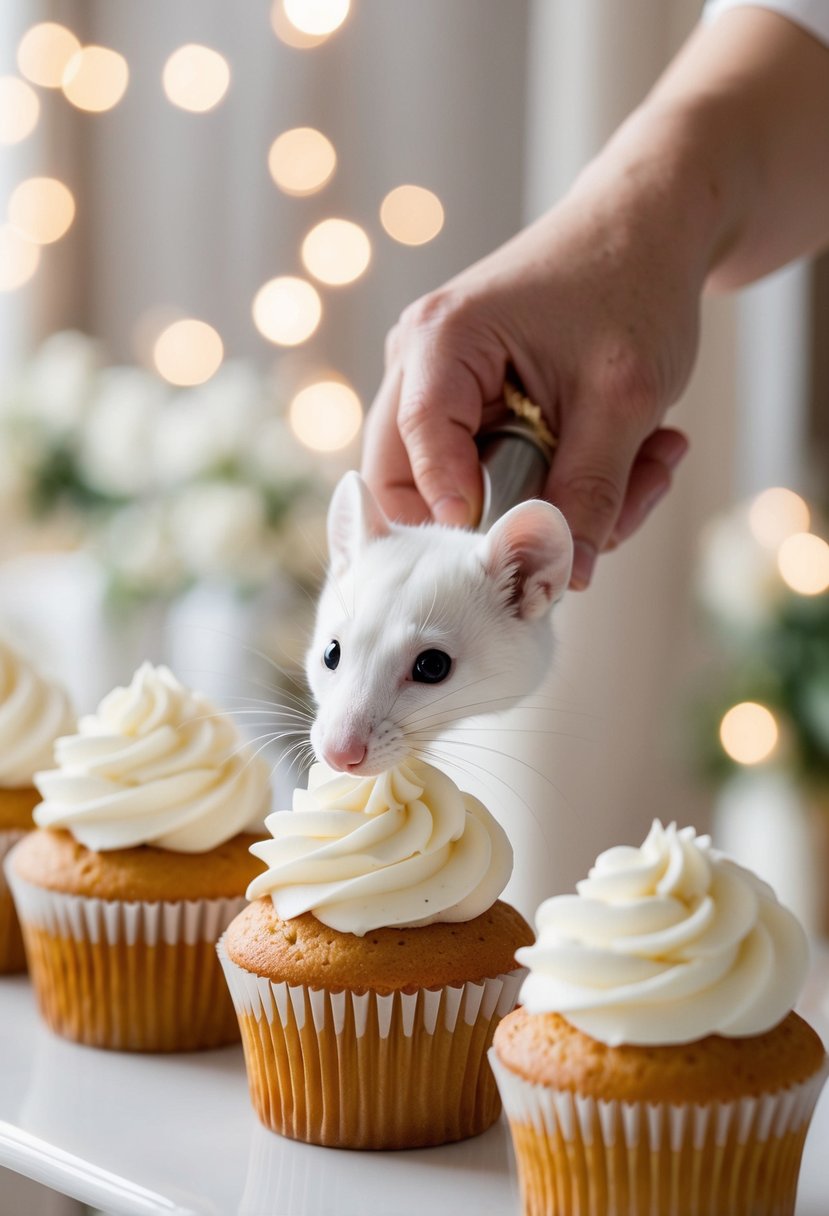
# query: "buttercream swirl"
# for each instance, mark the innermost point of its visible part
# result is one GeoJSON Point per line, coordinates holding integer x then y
{"type": "Point", "coordinates": [403, 848]}
{"type": "Point", "coordinates": [33, 712]}
{"type": "Point", "coordinates": [155, 764]}
{"type": "Point", "coordinates": [666, 943]}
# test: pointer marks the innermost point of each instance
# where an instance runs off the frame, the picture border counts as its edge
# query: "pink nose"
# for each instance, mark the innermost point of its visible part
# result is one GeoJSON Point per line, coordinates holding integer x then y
{"type": "Point", "coordinates": [348, 755]}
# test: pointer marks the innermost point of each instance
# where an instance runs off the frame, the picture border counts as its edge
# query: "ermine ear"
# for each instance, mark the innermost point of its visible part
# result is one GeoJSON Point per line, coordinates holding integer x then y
{"type": "Point", "coordinates": [530, 551]}
{"type": "Point", "coordinates": [354, 519]}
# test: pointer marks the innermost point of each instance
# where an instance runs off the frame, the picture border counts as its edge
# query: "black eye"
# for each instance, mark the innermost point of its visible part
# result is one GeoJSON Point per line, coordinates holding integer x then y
{"type": "Point", "coordinates": [431, 667]}
{"type": "Point", "coordinates": [331, 655]}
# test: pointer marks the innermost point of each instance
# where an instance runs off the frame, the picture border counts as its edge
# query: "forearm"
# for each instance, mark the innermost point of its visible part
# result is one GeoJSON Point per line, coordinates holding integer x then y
{"type": "Point", "coordinates": [730, 149]}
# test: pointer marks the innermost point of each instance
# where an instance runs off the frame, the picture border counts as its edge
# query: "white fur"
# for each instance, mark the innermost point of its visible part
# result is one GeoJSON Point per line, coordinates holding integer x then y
{"type": "Point", "coordinates": [394, 591]}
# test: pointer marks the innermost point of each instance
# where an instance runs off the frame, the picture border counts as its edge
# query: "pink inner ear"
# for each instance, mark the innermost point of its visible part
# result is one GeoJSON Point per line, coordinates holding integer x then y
{"type": "Point", "coordinates": [354, 519]}
{"type": "Point", "coordinates": [531, 545]}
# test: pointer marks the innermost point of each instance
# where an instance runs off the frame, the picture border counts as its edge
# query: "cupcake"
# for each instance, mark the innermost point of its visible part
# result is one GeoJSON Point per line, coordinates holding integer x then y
{"type": "Point", "coordinates": [33, 713]}
{"type": "Point", "coordinates": [375, 960]}
{"type": "Point", "coordinates": [656, 1064]}
{"type": "Point", "coordinates": [140, 862]}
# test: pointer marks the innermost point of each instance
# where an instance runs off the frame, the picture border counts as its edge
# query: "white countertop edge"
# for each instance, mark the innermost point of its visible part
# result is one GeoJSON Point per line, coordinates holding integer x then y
{"type": "Point", "coordinates": [43, 1162]}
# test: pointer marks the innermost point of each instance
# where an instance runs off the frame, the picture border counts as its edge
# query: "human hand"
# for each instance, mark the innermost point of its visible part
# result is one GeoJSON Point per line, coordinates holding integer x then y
{"type": "Point", "coordinates": [595, 307]}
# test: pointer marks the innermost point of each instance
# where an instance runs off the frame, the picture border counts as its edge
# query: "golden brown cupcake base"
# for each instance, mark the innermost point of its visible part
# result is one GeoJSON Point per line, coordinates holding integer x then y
{"type": "Point", "coordinates": [377, 1042]}
{"type": "Point", "coordinates": [12, 951]}
{"type": "Point", "coordinates": [16, 806]}
{"type": "Point", "coordinates": [545, 1048]}
{"type": "Point", "coordinates": [167, 997]}
{"type": "Point", "coordinates": [56, 860]}
{"type": "Point", "coordinates": [305, 951]}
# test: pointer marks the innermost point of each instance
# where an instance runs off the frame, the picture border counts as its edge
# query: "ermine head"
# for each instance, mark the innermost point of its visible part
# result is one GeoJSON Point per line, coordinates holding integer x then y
{"type": "Point", "coordinates": [418, 627]}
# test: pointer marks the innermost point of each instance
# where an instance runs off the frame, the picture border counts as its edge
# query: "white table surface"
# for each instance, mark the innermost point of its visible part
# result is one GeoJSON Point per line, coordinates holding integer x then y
{"type": "Point", "coordinates": [142, 1135]}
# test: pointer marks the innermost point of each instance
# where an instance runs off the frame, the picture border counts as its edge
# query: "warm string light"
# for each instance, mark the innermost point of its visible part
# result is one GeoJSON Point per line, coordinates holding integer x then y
{"type": "Point", "coordinates": [188, 352]}
{"type": "Point", "coordinates": [288, 33]}
{"type": "Point", "coordinates": [326, 416]}
{"type": "Point", "coordinates": [95, 79]}
{"type": "Point", "coordinates": [19, 109]}
{"type": "Point", "coordinates": [316, 18]}
{"type": "Point", "coordinates": [287, 310]}
{"type": "Point", "coordinates": [411, 215]}
{"type": "Point", "coordinates": [196, 78]}
{"type": "Point", "coordinates": [776, 514]}
{"type": "Point", "coordinates": [42, 209]}
{"type": "Point", "coordinates": [803, 562]}
{"type": "Point", "coordinates": [302, 161]}
{"type": "Point", "coordinates": [44, 51]}
{"type": "Point", "coordinates": [19, 258]}
{"type": "Point", "coordinates": [749, 733]}
{"type": "Point", "coordinates": [336, 252]}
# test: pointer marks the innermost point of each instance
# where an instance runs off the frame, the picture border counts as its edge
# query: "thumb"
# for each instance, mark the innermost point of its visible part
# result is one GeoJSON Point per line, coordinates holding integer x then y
{"type": "Point", "coordinates": [588, 481]}
{"type": "Point", "coordinates": [439, 413]}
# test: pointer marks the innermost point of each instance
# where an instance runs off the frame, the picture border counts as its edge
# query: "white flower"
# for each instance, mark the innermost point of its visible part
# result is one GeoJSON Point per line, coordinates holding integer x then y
{"type": "Point", "coordinates": [738, 580]}
{"type": "Point", "coordinates": [137, 546]}
{"type": "Point", "coordinates": [220, 530]}
{"type": "Point", "coordinates": [276, 456]}
{"type": "Point", "coordinates": [58, 384]}
{"type": "Point", "coordinates": [205, 427]}
{"type": "Point", "coordinates": [116, 443]}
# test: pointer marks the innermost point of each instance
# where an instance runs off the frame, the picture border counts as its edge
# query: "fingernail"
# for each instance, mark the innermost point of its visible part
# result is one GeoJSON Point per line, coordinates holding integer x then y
{"type": "Point", "coordinates": [650, 502]}
{"type": "Point", "coordinates": [584, 560]}
{"type": "Point", "coordinates": [452, 509]}
{"type": "Point", "coordinates": [673, 456]}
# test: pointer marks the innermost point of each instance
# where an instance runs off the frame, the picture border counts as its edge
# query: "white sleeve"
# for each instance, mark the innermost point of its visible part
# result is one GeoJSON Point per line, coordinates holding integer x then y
{"type": "Point", "coordinates": [812, 15]}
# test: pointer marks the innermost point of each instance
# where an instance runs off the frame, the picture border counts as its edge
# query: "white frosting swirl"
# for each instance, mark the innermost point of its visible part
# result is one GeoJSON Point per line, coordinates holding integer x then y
{"type": "Point", "coordinates": [403, 848]}
{"type": "Point", "coordinates": [666, 943]}
{"type": "Point", "coordinates": [156, 764]}
{"type": "Point", "coordinates": [33, 713]}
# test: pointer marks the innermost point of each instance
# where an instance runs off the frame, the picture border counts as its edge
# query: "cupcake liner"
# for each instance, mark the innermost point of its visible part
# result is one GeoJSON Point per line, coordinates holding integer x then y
{"type": "Point", "coordinates": [129, 975]}
{"type": "Point", "coordinates": [12, 951]}
{"type": "Point", "coordinates": [583, 1155]}
{"type": "Point", "coordinates": [365, 1070]}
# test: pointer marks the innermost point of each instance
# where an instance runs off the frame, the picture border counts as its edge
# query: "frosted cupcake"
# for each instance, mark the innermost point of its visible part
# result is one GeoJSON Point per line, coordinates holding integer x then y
{"type": "Point", "coordinates": [141, 862]}
{"type": "Point", "coordinates": [375, 961]}
{"type": "Point", "coordinates": [33, 712]}
{"type": "Point", "coordinates": [656, 1064]}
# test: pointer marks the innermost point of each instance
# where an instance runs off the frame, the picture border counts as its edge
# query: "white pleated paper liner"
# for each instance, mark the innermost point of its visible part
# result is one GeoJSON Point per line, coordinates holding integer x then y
{"type": "Point", "coordinates": [128, 975]}
{"type": "Point", "coordinates": [293, 1003]}
{"type": "Point", "coordinates": [366, 1070]}
{"type": "Point", "coordinates": [84, 918]}
{"type": "Point", "coordinates": [632, 1158]}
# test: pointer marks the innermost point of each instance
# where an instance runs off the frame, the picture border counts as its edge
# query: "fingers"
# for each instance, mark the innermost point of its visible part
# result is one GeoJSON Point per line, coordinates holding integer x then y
{"type": "Point", "coordinates": [588, 481]}
{"type": "Point", "coordinates": [385, 464]}
{"type": "Point", "coordinates": [649, 481]}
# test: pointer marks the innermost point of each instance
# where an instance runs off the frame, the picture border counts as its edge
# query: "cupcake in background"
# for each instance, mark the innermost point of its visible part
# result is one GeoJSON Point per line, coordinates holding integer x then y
{"type": "Point", "coordinates": [656, 1064]}
{"type": "Point", "coordinates": [375, 961]}
{"type": "Point", "coordinates": [33, 712]}
{"type": "Point", "coordinates": [140, 862]}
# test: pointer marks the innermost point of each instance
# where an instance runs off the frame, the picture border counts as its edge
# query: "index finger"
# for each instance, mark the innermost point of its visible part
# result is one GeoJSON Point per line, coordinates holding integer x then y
{"type": "Point", "coordinates": [385, 463]}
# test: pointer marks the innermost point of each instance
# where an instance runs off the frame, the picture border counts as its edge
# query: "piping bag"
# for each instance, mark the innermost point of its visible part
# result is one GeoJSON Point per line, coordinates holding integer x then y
{"type": "Point", "coordinates": [515, 453]}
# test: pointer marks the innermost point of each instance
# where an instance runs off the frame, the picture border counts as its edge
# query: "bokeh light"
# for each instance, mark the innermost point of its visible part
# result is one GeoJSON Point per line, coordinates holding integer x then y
{"type": "Point", "coordinates": [42, 208]}
{"type": "Point", "coordinates": [188, 352]}
{"type": "Point", "coordinates": [319, 18]}
{"type": "Point", "coordinates": [19, 109]}
{"type": "Point", "coordinates": [803, 562]}
{"type": "Point", "coordinates": [412, 215]}
{"type": "Point", "coordinates": [19, 258]}
{"type": "Point", "coordinates": [749, 733]}
{"type": "Point", "coordinates": [44, 51]}
{"type": "Point", "coordinates": [775, 514]}
{"type": "Point", "coordinates": [326, 416]}
{"type": "Point", "coordinates": [95, 79]}
{"type": "Point", "coordinates": [302, 160]}
{"type": "Point", "coordinates": [288, 33]}
{"type": "Point", "coordinates": [287, 310]}
{"type": "Point", "coordinates": [336, 252]}
{"type": "Point", "coordinates": [196, 78]}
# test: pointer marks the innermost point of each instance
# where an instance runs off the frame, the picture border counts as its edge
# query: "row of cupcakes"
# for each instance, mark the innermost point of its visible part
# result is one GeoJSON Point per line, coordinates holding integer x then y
{"type": "Point", "coordinates": [654, 1063]}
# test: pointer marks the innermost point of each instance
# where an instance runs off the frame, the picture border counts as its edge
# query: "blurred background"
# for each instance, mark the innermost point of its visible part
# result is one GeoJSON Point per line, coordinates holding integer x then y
{"type": "Point", "coordinates": [212, 214]}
